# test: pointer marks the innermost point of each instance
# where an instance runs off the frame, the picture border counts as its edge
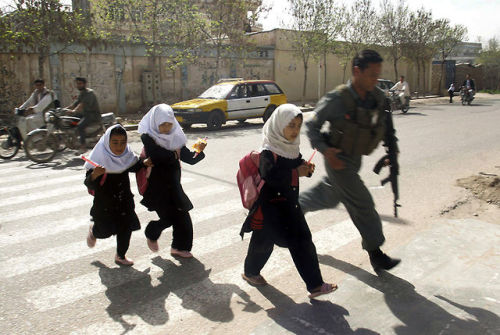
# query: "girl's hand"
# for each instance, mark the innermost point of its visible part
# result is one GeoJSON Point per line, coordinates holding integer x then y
{"type": "Point", "coordinates": [202, 146]}
{"type": "Point", "coordinates": [98, 171]}
{"type": "Point", "coordinates": [148, 162]}
{"type": "Point", "coordinates": [303, 170]}
{"type": "Point", "coordinates": [312, 167]}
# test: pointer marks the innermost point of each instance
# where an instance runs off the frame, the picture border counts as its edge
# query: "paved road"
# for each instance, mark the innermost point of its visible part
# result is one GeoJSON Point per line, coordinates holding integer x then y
{"type": "Point", "coordinates": [448, 282]}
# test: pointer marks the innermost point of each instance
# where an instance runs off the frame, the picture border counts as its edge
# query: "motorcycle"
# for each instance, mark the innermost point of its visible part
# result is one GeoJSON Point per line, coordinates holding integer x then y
{"type": "Point", "coordinates": [10, 136]}
{"type": "Point", "coordinates": [42, 145]}
{"type": "Point", "coordinates": [396, 102]}
{"type": "Point", "coordinates": [466, 95]}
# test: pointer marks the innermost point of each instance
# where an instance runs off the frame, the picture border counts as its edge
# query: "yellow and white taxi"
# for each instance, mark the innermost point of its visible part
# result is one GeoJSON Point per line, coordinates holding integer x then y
{"type": "Point", "coordinates": [230, 99]}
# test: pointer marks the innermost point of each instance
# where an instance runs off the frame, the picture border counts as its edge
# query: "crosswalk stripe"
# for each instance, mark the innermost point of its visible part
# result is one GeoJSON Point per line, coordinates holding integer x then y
{"type": "Point", "coordinates": [45, 209]}
{"type": "Point", "coordinates": [34, 211]}
{"type": "Point", "coordinates": [70, 224]}
{"type": "Point", "coordinates": [65, 253]}
{"type": "Point", "coordinates": [72, 290]}
{"type": "Point", "coordinates": [52, 181]}
{"type": "Point", "coordinates": [36, 174]}
{"type": "Point", "coordinates": [44, 182]}
{"type": "Point", "coordinates": [53, 192]}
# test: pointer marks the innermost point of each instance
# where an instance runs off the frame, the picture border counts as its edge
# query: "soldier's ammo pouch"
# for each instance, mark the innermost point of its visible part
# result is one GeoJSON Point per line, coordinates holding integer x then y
{"type": "Point", "coordinates": [362, 129]}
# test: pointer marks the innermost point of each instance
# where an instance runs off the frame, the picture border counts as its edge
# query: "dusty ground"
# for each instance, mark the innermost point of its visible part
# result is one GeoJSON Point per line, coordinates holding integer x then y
{"type": "Point", "coordinates": [482, 199]}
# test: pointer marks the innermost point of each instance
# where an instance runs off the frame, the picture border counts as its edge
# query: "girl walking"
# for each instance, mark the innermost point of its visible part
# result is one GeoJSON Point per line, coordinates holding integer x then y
{"type": "Point", "coordinates": [276, 217]}
{"type": "Point", "coordinates": [113, 210]}
{"type": "Point", "coordinates": [165, 143]}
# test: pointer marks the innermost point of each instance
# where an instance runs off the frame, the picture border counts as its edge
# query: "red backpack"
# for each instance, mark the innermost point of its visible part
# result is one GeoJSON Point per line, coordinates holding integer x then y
{"type": "Point", "coordinates": [142, 175]}
{"type": "Point", "coordinates": [248, 178]}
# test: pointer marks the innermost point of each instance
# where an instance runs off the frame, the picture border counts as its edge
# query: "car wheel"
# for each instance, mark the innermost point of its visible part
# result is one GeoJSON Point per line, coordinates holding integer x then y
{"type": "Point", "coordinates": [215, 120]}
{"type": "Point", "coordinates": [241, 120]}
{"type": "Point", "coordinates": [269, 111]}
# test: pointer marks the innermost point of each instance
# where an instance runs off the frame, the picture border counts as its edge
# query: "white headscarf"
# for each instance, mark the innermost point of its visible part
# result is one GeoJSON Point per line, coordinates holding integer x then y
{"type": "Point", "coordinates": [102, 155]}
{"type": "Point", "coordinates": [150, 123]}
{"type": "Point", "coordinates": [274, 140]}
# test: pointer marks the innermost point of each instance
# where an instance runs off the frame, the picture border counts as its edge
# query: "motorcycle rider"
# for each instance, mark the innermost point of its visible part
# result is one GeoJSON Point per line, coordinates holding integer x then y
{"type": "Point", "coordinates": [87, 108]}
{"type": "Point", "coordinates": [403, 89]}
{"type": "Point", "coordinates": [41, 100]}
{"type": "Point", "coordinates": [469, 84]}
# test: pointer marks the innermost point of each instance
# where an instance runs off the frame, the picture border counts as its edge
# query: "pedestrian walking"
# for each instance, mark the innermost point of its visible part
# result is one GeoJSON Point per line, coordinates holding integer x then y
{"type": "Point", "coordinates": [165, 143]}
{"type": "Point", "coordinates": [276, 217]}
{"type": "Point", "coordinates": [113, 210]}
{"type": "Point", "coordinates": [451, 92]}
{"type": "Point", "coordinates": [357, 123]}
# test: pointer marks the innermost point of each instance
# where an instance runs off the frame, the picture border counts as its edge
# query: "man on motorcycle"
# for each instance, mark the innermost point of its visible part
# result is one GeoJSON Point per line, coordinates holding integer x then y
{"type": "Point", "coordinates": [469, 86]}
{"type": "Point", "coordinates": [403, 89]}
{"type": "Point", "coordinates": [85, 107]}
{"type": "Point", "coordinates": [41, 100]}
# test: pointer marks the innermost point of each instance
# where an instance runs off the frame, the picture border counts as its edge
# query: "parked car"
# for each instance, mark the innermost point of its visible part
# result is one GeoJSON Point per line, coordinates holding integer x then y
{"type": "Point", "coordinates": [385, 85]}
{"type": "Point", "coordinates": [231, 99]}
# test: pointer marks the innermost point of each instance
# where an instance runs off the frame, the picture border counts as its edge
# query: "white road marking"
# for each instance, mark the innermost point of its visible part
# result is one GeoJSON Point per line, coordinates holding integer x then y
{"type": "Point", "coordinates": [72, 290]}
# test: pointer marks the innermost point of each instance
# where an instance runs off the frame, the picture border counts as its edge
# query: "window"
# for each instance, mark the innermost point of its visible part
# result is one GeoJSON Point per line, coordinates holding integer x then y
{"type": "Point", "coordinates": [257, 90]}
{"type": "Point", "coordinates": [239, 92]}
{"type": "Point", "coordinates": [272, 88]}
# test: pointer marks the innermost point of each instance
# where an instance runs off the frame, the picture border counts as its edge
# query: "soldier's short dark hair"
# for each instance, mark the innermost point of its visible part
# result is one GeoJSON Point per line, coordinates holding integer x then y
{"type": "Point", "coordinates": [82, 79]}
{"type": "Point", "coordinates": [366, 57]}
{"type": "Point", "coordinates": [41, 81]}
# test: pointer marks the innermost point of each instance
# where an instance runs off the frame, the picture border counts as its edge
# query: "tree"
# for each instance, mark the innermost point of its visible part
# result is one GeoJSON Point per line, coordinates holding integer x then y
{"type": "Point", "coordinates": [490, 59]}
{"type": "Point", "coordinates": [359, 30]}
{"type": "Point", "coordinates": [419, 42]}
{"type": "Point", "coordinates": [394, 22]}
{"type": "Point", "coordinates": [308, 39]}
{"type": "Point", "coordinates": [447, 39]}
{"type": "Point", "coordinates": [167, 29]}
{"type": "Point", "coordinates": [225, 25]}
{"type": "Point", "coordinates": [40, 25]}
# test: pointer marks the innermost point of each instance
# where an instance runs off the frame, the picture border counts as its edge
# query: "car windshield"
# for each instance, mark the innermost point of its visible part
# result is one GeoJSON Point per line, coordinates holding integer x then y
{"type": "Point", "coordinates": [217, 91]}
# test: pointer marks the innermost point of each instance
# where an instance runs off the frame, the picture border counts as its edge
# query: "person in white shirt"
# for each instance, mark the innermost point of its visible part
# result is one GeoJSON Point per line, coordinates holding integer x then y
{"type": "Point", "coordinates": [451, 91]}
{"type": "Point", "coordinates": [403, 89]}
{"type": "Point", "coordinates": [40, 100]}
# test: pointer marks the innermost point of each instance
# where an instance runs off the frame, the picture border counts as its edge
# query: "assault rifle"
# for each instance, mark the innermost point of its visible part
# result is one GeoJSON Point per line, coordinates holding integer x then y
{"type": "Point", "coordinates": [392, 155]}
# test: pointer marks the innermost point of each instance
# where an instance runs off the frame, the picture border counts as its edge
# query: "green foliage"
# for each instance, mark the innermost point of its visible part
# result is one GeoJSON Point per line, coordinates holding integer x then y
{"type": "Point", "coordinates": [490, 59]}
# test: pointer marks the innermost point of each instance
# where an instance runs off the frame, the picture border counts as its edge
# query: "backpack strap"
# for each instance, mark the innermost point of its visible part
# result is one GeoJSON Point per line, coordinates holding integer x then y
{"type": "Point", "coordinates": [347, 99]}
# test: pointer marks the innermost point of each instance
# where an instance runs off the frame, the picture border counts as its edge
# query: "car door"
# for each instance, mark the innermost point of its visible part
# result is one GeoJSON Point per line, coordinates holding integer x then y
{"type": "Point", "coordinates": [259, 99]}
{"type": "Point", "coordinates": [238, 102]}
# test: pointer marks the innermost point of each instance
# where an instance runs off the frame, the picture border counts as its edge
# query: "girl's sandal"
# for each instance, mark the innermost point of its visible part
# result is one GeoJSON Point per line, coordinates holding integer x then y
{"type": "Point", "coordinates": [325, 288]}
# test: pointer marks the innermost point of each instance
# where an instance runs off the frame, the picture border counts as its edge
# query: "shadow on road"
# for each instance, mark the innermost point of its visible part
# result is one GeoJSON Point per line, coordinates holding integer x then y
{"type": "Point", "coordinates": [208, 299]}
{"type": "Point", "coordinates": [418, 314]}
{"type": "Point", "coordinates": [189, 281]}
{"type": "Point", "coordinates": [318, 317]}
{"type": "Point", "coordinates": [392, 219]}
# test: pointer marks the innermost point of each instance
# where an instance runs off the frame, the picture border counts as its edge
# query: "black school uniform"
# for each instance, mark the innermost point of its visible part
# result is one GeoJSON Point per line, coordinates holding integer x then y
{"type": "Point", "coordinates": [113, 210]}
{"type": "Point", "coordinates": [165, 194]}
{"type": "Point", "coordinates": [276, 218]}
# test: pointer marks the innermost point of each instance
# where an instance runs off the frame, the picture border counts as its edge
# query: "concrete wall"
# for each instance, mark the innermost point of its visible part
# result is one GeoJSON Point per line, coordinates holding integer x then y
{"type": "Point", "coordinates": [115, 73]}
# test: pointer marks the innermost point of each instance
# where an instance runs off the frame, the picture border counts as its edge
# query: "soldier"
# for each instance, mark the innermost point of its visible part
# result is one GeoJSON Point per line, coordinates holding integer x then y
{"type": "Point", "coordinates": [357, 117]}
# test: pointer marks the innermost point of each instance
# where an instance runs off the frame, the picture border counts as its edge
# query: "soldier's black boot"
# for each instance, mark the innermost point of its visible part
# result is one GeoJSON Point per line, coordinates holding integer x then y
{"type": "Point", "coordinates": [381, 261]}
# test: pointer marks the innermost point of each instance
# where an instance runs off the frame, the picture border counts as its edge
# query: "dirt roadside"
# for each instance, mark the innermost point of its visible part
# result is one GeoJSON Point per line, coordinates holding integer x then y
{"type": "Point", "coordinates": [482, 199]}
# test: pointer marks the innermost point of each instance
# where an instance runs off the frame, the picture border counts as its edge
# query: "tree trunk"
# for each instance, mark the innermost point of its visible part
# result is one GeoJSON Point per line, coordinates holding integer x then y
{"type": "Point", "coordinates": [325, 73]}
{"type": "Point", "coordinates": [89, 67]}
{"type": "Point", "coordinates": [173, 77]}
{"type": "Point", "coordinates": [395, 64]}
{"type": "Point", "coordinates": [418, 78]}
{"type": "Point", "coordinates": [424, 76]}
{"type": "Point", "coordinates": [305, 84]}
{"type": "Point", "coordinates": [41, 60]}
{"type": "Point", "coordinates": [440, 87]}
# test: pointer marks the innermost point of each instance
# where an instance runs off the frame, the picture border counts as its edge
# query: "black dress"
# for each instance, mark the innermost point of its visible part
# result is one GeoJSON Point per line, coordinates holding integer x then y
{"type": "Point", "coordinates": [165, 194]}
{"type": "Point", "coordinates": [113, 209]}
{"type": "Point", "coordinates": [276, 218]}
